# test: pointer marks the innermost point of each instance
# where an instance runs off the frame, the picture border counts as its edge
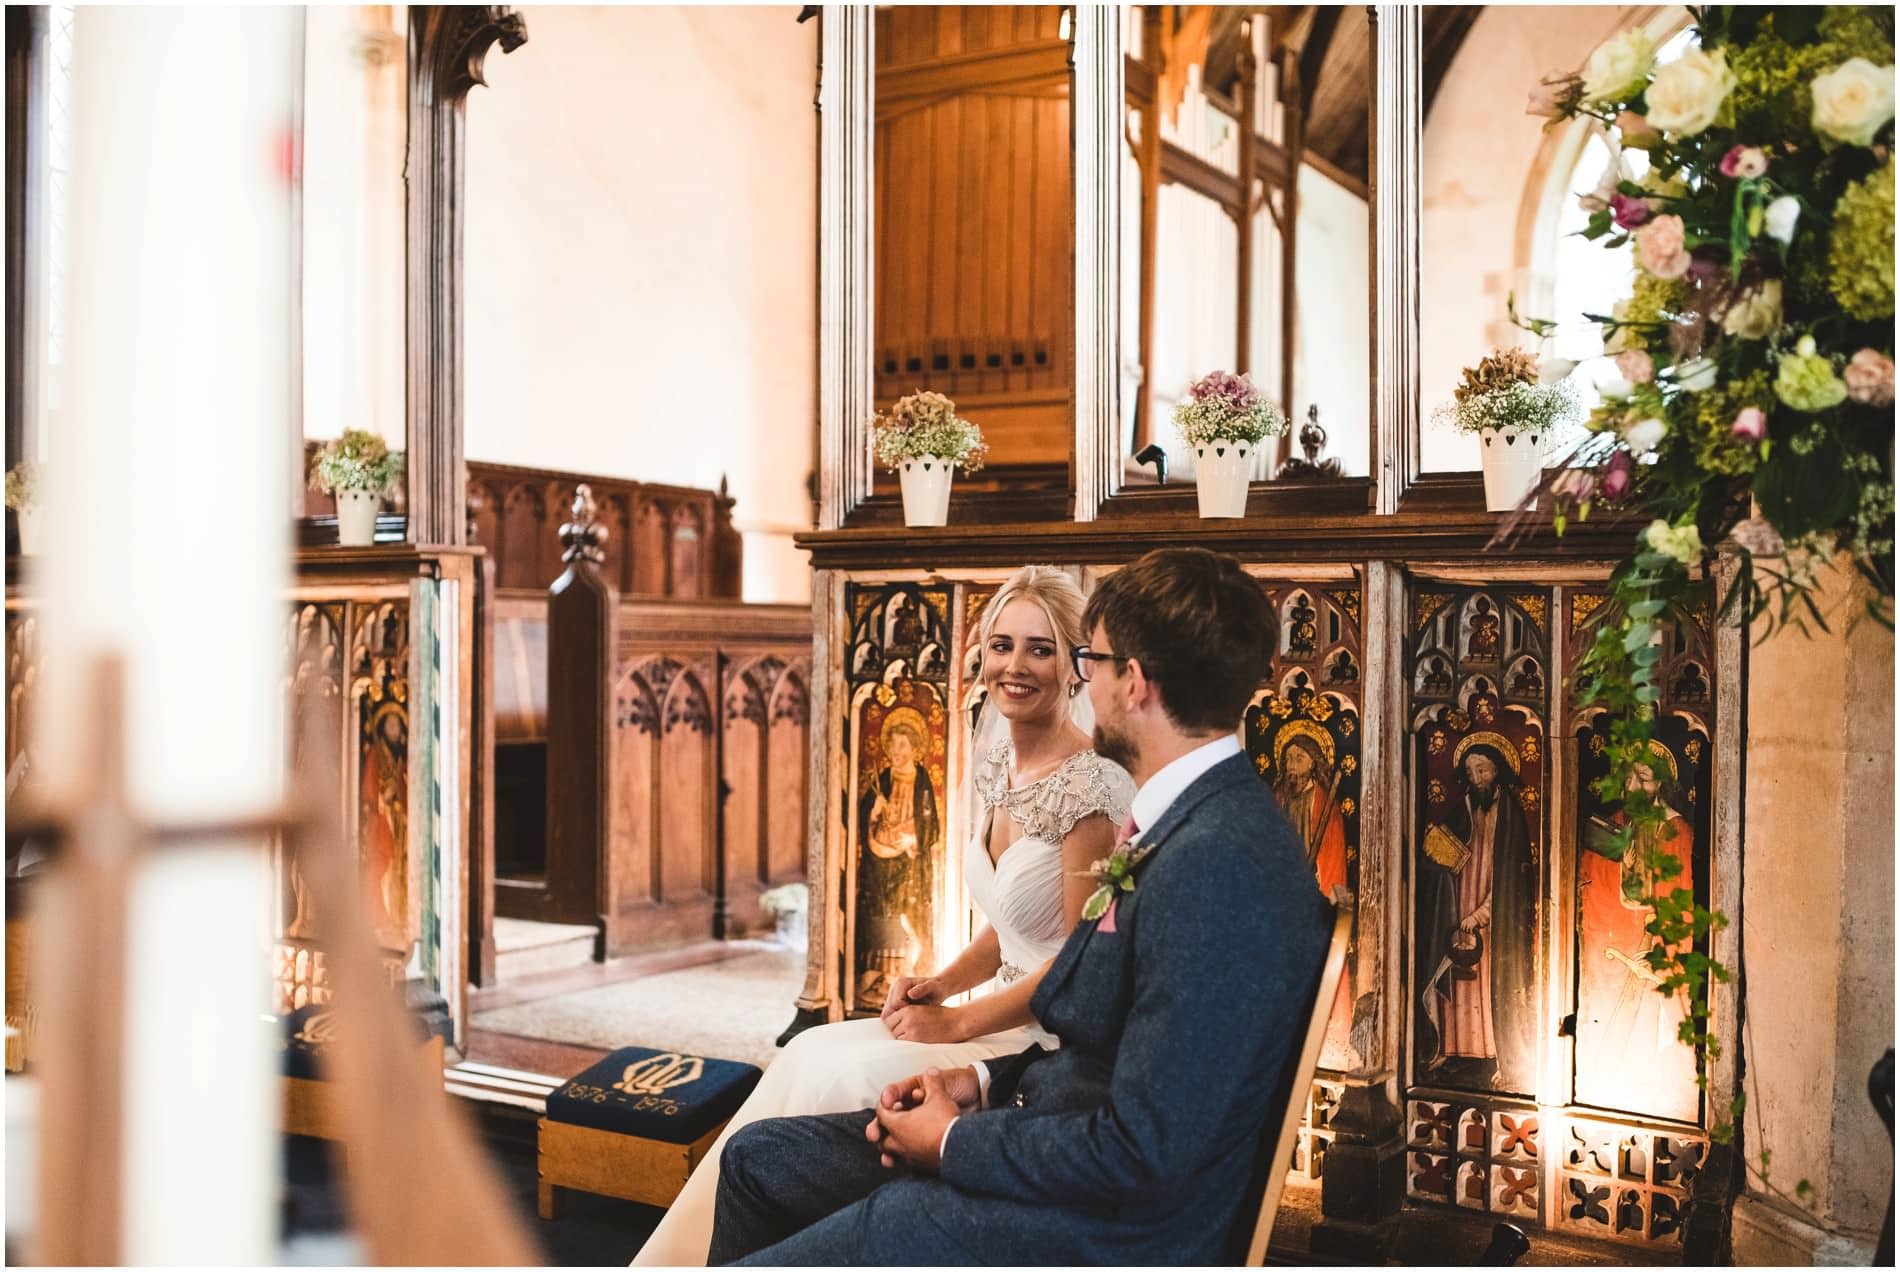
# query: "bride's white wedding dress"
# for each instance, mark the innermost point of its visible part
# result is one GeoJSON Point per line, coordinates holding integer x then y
{"type": "Point", "coordinates": [840, 1067]}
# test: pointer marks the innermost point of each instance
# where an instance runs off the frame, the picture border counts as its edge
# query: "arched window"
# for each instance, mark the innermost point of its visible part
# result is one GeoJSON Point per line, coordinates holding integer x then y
{"type": "Point", "coordinates": [1582, 276]}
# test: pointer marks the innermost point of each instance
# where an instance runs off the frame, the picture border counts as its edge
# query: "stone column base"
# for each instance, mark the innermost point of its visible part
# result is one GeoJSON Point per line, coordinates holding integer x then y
{"type": "Point", "coordinates": [1764, 1233]}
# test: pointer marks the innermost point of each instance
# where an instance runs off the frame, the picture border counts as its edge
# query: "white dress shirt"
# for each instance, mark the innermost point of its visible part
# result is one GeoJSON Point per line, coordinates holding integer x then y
{"type": "Point", "coordinates": [1152, 801]}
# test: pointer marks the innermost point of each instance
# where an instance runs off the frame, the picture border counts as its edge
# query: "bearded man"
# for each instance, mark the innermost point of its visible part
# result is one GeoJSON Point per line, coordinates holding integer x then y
{"type": "Point", "coordinates": [1477, 891]}
{"type": "Point", "coordinates": [1303, 785]}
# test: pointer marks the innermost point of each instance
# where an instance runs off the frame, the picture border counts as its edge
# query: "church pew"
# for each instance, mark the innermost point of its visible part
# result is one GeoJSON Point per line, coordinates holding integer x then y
{"type": "Point", "coordinates": [676, 735]}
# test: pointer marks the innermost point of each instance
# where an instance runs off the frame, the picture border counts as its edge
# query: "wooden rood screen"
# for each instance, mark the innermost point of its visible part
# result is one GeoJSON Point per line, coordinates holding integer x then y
{"type": "Point", "coordinates": [676, 761]}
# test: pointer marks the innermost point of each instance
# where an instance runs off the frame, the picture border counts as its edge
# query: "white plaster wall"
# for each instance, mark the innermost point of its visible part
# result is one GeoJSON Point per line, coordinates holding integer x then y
{"type": "Point", "coordinates": [1817, 937]}
{"type": "Point", "coordinates": [642, 259]}
{"type": "Point", "coordinates": [1479, 147]}
{"type": "Point", "coordinates": [1332, 361]}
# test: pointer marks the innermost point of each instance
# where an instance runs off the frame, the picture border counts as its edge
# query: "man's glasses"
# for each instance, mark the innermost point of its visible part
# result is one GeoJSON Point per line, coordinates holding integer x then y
{"type": "Point", "coordinates": [1086, 658]}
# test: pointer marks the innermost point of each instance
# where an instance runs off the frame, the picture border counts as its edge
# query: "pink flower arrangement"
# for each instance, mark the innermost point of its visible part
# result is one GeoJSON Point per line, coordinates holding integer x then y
{"type": "Point", "coordinates": [1660, 247]}
{"type": "Point", "coordinates": [1224, 386]}
{"type": "Point", "coordinates": [1636, 366]}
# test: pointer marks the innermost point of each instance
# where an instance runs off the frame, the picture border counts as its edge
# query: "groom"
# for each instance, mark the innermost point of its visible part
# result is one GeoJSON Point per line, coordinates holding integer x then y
{"type": "Point", "coordinates": [1177, 1008]}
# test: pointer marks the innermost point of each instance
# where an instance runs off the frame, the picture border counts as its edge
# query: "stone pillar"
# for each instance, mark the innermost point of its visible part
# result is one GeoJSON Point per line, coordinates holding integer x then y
{"type": "Point", "coordinates": [1817, 938]}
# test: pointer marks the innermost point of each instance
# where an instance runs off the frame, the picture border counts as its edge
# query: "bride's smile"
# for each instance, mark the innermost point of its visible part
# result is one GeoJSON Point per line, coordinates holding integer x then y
{"type": "Point", "coordinates": [1022, 665]}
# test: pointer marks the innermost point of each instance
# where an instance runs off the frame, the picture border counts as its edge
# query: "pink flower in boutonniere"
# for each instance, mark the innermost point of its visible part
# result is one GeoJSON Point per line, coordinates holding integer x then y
{"type": "Point", "coordinates": [1112, 874]}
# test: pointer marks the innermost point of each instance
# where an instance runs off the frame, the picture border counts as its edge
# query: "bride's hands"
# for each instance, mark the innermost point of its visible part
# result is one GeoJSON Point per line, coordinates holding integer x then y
{"type": "Point", "coordinates": [919, 1022]}
{"type": "Point", "coordinates": [905, 990]}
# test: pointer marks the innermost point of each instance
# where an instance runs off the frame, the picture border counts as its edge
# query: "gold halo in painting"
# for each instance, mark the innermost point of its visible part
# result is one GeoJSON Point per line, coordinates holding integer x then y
{"type": "Point", "coordinates": [1484, 737]}
{"type": "Point", "coordinates": [903, 715]}
{"type": "Point", "coordinates": [1304, 729]}
{"type": "Point", "coordinates": [1667, 756]}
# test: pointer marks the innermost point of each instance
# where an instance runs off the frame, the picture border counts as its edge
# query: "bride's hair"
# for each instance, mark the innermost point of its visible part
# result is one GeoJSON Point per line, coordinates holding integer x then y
{"type": "Point", "coordinates": [1059, 598]}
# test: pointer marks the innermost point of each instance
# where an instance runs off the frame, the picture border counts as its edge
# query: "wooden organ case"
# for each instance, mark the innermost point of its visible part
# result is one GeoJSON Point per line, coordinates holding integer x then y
{"type": "Point", "coordinates": [1407, 642]}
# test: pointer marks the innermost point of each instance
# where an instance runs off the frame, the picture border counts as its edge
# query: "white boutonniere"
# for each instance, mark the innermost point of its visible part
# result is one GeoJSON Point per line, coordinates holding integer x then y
{"type": "Point", "coordinates": [1113, 873]}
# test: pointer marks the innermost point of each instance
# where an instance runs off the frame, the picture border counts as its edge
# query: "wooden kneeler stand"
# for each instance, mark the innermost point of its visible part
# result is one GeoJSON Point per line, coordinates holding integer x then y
{"type": "Point", "coordinates": [635, 1124]}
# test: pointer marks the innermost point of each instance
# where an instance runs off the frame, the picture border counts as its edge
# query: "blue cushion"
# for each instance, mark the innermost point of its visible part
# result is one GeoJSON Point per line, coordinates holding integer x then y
{"type": "Point", "coordinates": [658, 1095]}
{"type": "Point", "coordinates": [310, 1029]}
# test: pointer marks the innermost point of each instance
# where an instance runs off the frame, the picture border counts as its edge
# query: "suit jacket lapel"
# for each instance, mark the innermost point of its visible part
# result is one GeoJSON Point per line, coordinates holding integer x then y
{"type": "Point", "coordinates": [1215, 779]}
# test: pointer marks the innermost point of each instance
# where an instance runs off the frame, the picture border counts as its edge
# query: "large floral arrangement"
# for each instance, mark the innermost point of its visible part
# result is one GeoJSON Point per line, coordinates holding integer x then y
{"type": "Point", "coordinates": [1507, 392]}
{"type": "Point", "coordinates": [926, 423]}
{"type": "Point", "coordinates": [1223, 407]}
{"type": "Point", "coordinates": [358, 460]}
{"type": "Point", "coordinates": [1754, 405]}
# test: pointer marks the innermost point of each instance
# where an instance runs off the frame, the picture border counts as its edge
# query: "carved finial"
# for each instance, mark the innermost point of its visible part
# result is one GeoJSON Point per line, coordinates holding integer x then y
{"type": "Point", "coordinates": [1312, 436]}
{"type": "Point", "coordinates": [583, 536]}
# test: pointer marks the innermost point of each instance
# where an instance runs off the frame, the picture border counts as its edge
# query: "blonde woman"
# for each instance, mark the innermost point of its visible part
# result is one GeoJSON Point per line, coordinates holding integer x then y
{"type": "Point", "coordinates": [1045, 806]}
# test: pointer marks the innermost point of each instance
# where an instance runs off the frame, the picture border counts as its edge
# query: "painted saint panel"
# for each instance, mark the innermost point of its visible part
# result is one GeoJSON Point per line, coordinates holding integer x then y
{"type": "Point", "coordinates": [1478, 685]}
{"type": "Point", "coordinates": [379, 686]}
{"type": "Point", "coordinates": [898, 674]}
{"type": "Point", "coordinates": [1303, 734]}
{"type": "Point", "coordinates": [1628, 1055]}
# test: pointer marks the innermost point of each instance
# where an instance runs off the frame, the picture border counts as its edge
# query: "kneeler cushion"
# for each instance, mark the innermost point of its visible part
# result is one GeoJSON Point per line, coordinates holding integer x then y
{"type": "Point", "coordinates": [656, 1095]}
{"type": "Point", "coordinates": [308, 1030]}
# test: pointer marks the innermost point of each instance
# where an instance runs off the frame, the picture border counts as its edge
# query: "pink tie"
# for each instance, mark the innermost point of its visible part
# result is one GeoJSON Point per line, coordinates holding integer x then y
{"type": "Point", "coordinates": [1129, 831]}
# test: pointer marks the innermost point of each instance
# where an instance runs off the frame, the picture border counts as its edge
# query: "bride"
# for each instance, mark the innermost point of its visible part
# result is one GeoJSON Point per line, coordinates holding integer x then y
{"type": "Point", "coordinates": [1027, 871]}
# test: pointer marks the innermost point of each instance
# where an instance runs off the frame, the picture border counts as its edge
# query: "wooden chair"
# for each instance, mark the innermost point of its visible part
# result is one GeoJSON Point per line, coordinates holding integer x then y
{"type": "Point", "coordinates": [1276, 1143]}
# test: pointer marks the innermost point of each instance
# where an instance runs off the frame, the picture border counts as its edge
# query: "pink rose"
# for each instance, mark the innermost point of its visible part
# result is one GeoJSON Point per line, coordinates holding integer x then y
{"type": "Point", "coordinates": [1635, 366]}
{"type": "Point", "coordinates": [1745, 162]}
{"type": "Point", "coordinates": [1869, 377]}
{"type": "Point", "coordinates": [1636, 130]}
{"type": "Point", "coordinates": [1750, 426]}
{"type": "Point", "coordinates": [1659, 247]}
{"type": "Point", "coordinates": [1629, 213]}
{"type": "Point", "coordinates": [1617, 477]}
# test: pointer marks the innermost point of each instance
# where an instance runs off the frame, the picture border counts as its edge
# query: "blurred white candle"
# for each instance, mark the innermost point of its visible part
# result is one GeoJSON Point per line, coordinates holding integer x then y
{"type": "Point", "coordinates": [169, 530]}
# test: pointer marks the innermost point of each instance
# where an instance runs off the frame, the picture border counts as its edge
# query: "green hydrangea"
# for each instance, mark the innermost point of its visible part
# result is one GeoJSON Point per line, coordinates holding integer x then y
{"type": "Point", "coordinates": [1774, 79]}
{"type": "Point", "coordinates": [1807, 381]}
{"type": "Point", "coordinates": [1860, 252]}
{"type": "Point", "coordinates": [1654, 301]}
{"type": "Point", "coordinates": [1709, 429]}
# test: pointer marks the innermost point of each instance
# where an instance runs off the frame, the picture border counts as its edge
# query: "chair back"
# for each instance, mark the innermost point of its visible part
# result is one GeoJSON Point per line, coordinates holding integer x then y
{"type": "Point", "coordinates": [1278, 1137]}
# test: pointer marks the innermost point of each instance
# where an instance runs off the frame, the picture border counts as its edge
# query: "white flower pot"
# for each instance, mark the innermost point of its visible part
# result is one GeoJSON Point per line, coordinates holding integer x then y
{"type": "Point", "coordinates": [926, 482]}
{"type": "Point", "coordinates": [1222, 470]}
{"type": "Point", "coordinates": [1513, 462]}
{"type": "Point", "coordinates": [356, 517]}
{"type": "Point", "coordinates": [28, 520]}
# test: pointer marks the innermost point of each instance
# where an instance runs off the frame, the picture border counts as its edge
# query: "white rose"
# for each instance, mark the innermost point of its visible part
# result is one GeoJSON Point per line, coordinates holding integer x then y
{"type": "Point", "coordinates": [1645, 436]}
{"type": "Point", "coordinates": [1687, 93]}
{"type": "Point", "coordinates": [1618, 67]}
{"type": "Point", "coordinates": [1696, 375]}
{"type": "Point", "coordinates": [1853, 101]}
{"type": "Point", "coordinates": [1778, 218]}
{"type": "Point", "coordinates": [1757, 314]}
